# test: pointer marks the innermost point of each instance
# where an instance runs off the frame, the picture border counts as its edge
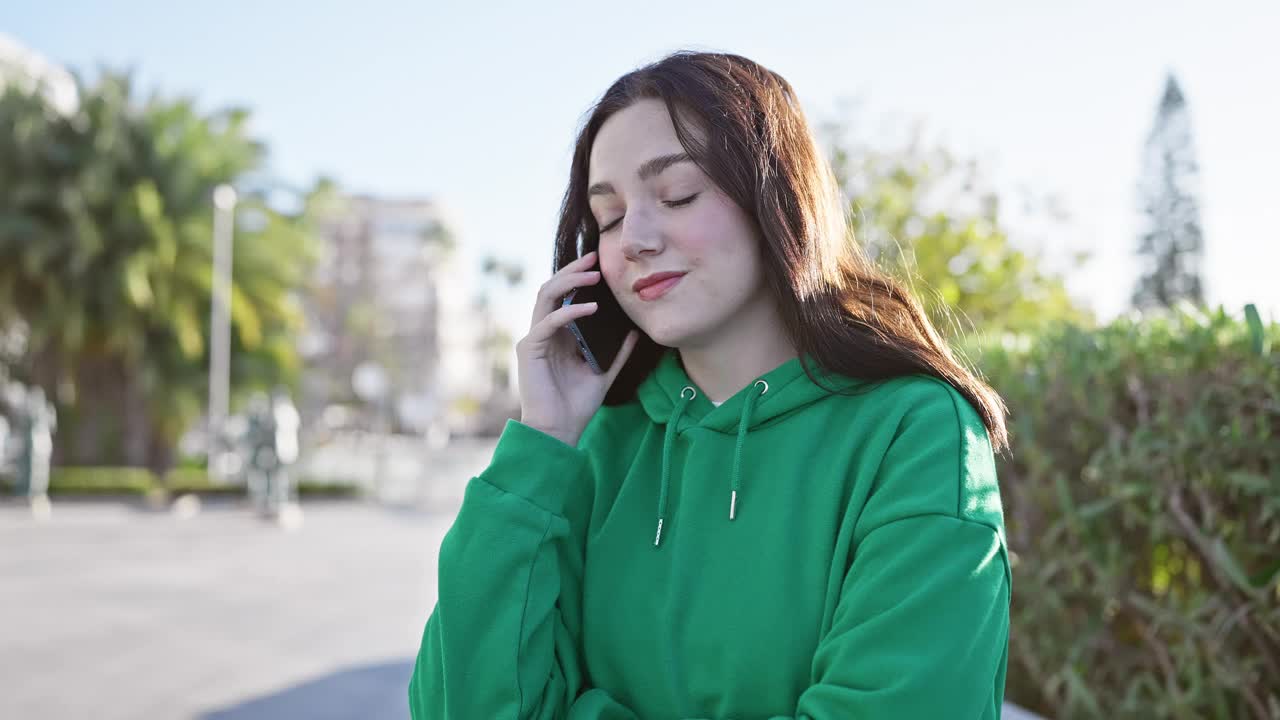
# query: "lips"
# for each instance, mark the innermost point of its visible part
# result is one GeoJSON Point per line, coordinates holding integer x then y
{"type": "Point", "coordinates": [652, 287]}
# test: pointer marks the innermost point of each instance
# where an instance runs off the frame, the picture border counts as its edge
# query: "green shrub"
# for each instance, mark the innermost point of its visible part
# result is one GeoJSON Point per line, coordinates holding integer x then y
{"type": "Point", "coordinates": [129, 481]}
{"type": "Point", "coordinates": [99, 480]}
{"type": "Point", "coordinates": [1142, 501]}
{"type": "Point", "coordinates": [325, 488]}
{"type": "Point", "coordinates": [195, 480]}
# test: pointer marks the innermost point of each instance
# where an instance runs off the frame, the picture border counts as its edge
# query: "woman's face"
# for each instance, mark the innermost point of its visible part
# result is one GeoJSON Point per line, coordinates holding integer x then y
{"type": "Point", "coordinates": [668, 217]}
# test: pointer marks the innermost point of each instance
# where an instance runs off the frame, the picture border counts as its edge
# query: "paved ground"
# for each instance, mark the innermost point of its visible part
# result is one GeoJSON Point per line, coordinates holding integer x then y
{"type": "Point", "coordinates": [110, 611]}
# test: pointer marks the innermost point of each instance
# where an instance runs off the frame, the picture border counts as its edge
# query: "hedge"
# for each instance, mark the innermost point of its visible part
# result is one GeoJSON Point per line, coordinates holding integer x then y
{"type": "Point", "coordinates": [1142, 503]}
{"type": "Point", "coordinates": [129, 481]}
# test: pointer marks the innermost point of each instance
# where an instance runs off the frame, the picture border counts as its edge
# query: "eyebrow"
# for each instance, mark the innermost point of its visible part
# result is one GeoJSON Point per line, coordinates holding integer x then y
{"type": "Point", "coordinates": [647, 170]}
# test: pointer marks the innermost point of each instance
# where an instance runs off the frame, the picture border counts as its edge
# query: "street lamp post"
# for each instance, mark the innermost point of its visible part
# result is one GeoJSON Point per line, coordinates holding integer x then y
{"type": "Point", "coordinates": [224, 204]}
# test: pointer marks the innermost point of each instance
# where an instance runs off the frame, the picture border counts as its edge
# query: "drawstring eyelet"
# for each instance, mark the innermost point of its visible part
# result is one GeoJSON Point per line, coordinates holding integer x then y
{"type": "Point", "coordinates": [690, 389]}
{"type": "Point", "coordinates": [766, 386]}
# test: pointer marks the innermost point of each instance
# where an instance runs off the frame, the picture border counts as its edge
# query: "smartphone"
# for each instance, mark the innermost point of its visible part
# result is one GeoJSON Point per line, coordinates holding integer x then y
{"type": "Point", "coordinates": [600, 334]}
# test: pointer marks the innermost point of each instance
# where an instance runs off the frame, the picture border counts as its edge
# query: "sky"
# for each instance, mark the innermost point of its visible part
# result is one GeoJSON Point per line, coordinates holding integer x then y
{"type": "Point", "coordinates": [476, 105]}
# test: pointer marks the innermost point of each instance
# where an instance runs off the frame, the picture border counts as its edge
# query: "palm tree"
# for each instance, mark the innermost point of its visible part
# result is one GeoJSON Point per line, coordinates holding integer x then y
{"type": "Point", "coordinates": [105, 260]}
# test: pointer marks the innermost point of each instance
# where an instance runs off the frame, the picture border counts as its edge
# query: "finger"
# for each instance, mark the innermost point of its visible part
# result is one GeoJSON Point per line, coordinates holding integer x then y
{"type": "Point", "coordinates": [552, 292]}
{"type": "Point", "coordinates": [628, 344]}
{"type": "Point", "coordinates": [582, 263]}
{"type": "Point", "coordinates": [551, 295]}
{"type": "Point", "coordinates": [545, 329]}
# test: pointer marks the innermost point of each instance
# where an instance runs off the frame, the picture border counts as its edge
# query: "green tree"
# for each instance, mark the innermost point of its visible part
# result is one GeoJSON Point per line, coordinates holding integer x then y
{"type": "Point", "coordinates": [105, 263]}
{"type": "Point", "coordinates": [1171, 244]}
{"type": "Point", "coordinates": [923, 215]}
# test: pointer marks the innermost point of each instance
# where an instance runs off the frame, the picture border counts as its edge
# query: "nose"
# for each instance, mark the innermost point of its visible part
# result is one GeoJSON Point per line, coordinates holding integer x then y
{"type": "Point", "coordinates": [641, 235]}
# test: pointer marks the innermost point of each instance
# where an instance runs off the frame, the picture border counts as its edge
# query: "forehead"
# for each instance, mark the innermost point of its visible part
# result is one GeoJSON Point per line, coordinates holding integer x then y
{"type": "Point", "coordinates": [629, 137]}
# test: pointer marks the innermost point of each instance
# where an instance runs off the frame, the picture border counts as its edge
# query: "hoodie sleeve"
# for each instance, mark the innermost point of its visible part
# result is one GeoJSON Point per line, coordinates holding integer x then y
{"type": "Point", "coordinates": [504, 637]}
{"type": "Point", "coordinates": [921, 628]}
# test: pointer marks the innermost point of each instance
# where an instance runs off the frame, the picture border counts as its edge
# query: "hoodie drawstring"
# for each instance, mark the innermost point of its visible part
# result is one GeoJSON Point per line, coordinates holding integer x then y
{"type": "Point", "coordinates": [669, 440]}
{"type": "Point", "coordinates": [747, 407]}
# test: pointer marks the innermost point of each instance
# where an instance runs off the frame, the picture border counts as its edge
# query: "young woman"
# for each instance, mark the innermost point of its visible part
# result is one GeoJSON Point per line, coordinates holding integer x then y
{"type": "Point", "coordinates": [779, 501]}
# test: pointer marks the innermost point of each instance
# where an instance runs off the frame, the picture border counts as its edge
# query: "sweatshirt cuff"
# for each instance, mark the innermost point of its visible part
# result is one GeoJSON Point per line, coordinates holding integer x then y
{"type": "Point", "coordinates": [535, 466]}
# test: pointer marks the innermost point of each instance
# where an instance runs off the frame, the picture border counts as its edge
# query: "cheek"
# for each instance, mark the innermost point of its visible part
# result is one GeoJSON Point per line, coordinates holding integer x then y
{"type": "Point", "coordinates": [716, 231]}
{"type": "Point", "coordinates": [612, 265]}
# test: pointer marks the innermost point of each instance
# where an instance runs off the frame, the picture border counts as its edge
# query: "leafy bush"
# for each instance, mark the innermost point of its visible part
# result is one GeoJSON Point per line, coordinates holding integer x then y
{"type": "Point", "coordinates": [1142, 502]}
{"type": "Point", "coordinates": [88, 480]}
{"type": "Point", "coordinates": [193, 480]}
{"type": "Point", "coordinates": [97, 480]}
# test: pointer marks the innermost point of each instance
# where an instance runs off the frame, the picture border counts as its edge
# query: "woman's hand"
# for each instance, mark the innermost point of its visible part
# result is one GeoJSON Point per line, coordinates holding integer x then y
{"type": "Point", "coordinates": [559, 392]}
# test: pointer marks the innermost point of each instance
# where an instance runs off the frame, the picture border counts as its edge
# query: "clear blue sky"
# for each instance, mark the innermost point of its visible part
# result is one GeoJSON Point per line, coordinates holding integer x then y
{"type": "Point", "coordinates": [475, 104]}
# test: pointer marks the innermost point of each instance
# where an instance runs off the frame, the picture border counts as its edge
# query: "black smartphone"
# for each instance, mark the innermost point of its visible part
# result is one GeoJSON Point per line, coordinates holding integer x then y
{"type": "Point", "coordinates": [600, 335]}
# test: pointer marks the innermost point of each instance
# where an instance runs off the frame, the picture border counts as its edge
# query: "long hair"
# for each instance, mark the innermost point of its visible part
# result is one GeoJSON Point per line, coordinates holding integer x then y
{"type": "Point", "coordinates": [756, 145]}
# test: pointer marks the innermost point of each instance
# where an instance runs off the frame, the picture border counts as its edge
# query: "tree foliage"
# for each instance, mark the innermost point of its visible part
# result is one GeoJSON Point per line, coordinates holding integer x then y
{"type": "Point", "coordinates": [105, 262]}
{"type": "Point", "coordinates": [923, 215]}
{"type": "Point", "coordinates": [1171, 245]}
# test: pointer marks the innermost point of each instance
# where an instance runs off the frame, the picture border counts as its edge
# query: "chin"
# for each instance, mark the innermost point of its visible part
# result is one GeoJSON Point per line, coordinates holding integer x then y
{"type": "Point", "coordinates": [671, 334]}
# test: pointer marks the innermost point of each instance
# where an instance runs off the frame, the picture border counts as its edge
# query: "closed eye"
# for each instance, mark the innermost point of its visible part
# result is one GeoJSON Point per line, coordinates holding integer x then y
{"type": "Point", "coordinates": [669, 203]}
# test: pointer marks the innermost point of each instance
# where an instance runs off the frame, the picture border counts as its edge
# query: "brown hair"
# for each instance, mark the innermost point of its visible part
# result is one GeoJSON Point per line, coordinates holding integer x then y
{"type": "Point", "coordinates": [853, 318]}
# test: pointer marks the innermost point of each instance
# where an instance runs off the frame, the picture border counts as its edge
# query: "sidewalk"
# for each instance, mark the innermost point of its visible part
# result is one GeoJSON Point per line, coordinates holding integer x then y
{"type": "Point", "coordinates": [117, 613]}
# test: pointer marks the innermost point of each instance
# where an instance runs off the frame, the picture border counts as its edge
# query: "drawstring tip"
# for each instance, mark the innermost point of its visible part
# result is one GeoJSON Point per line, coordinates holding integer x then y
{"type": "Point", "coordinates": [733, 502]}
{"type": "Point", "coordinates": [657, 538]}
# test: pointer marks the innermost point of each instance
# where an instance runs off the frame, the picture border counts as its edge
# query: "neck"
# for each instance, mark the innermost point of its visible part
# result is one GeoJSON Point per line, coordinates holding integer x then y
{"type": "Point", "coordinates": [723, 365]}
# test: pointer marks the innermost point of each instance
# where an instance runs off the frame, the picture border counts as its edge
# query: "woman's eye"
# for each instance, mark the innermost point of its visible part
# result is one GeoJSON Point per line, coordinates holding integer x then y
{"type": "Point", "coordinates": [682, 203]}
{"type": "Point", "coordinates": [669, 203]}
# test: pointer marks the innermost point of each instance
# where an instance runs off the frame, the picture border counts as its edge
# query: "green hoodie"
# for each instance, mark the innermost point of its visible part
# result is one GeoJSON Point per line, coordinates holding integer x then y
{"type": "Point", "coordinates": [790, 553]}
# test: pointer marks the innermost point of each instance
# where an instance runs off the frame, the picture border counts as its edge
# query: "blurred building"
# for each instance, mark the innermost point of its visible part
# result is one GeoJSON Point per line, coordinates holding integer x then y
{"type": "Point", "coordinates": [28, 69]}
{"type": "Point", "coordinates": [389, 291]}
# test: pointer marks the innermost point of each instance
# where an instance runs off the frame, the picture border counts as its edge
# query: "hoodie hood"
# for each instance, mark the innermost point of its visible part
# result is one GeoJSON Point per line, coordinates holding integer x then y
{"type": "Point", "coordinates": [670, 398]}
